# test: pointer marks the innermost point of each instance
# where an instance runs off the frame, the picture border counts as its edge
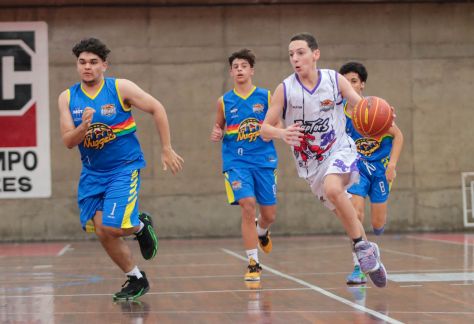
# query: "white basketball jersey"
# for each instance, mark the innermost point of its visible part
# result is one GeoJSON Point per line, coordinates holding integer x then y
{"type": "Point", "coordinates": [321, 113]}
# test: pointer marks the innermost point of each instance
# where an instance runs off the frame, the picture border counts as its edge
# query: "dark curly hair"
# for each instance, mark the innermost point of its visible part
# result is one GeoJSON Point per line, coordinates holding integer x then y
{"type": "Point", "coordinates": [92, 45]}
{"type": "Point", "coordinates": [243, 54]}
{"type": "Point", "coordinates": [355, 67]}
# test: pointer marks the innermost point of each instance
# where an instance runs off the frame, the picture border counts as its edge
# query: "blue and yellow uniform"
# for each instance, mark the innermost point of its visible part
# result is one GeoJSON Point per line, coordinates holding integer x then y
{"type": "Point", "coordinates": [249, 163]}
{"type": "Point", "coordinates": [111, 157]}
{"type": "Point", "coordinates": [374, 155]}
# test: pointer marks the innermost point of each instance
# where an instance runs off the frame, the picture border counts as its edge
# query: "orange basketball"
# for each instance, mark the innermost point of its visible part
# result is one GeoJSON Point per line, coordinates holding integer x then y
{"type": "Point", "coordinates": [372, 116]}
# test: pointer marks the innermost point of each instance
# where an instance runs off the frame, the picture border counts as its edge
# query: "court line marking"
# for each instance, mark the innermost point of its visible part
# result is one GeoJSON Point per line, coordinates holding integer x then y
{"type": "Point", "coordinates": [428, 239]}
{"type": "Point", "coordinates": [408, 254]}
{"type": "Point", "coordinates": [64, 250]}
{"type": "Point", "coordinates": [161, 293]}
{"type": "Point", "coordinates": [320, 290]}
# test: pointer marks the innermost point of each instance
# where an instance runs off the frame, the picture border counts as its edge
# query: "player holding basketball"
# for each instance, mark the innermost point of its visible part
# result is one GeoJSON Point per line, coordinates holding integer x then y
{"type": "Point", "coordinates": [95, 115]}
{"type": "Point", "coordinates": [310, 102]}
{"type": "Point", "coordinates": [249, 162]}
{"type": "Point", "coordinates": [377, 166]}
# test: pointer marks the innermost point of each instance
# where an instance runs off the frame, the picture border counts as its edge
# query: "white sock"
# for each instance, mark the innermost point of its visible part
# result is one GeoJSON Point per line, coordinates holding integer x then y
{"type": "Point", "coordinates": [355, 260]}
{"type": "Point", "coordinates": [252, 254]}
{"type": "Point", "coordinates": [141, 227]}
{"type": "Point", "coordinates": [135, 272]}
{"type": "Point", "coordinates": [261, 231]}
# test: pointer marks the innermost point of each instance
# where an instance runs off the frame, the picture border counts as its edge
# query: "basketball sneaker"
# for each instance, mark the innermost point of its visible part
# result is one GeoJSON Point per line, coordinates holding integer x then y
{"type": "Point", "coordinates": [253, 271]}
{"type": "Point", "coordinates": [379, 276]}
{"type": "Point", "coordinates": [365, 253]}
{"type": "Point", "coordinates": [133, 288]}
{"type": "Point", "coordinates": [265, 242]}
{"type": "Point", "coordinates": [357, 277]}
{"type": "Point", "coordinates": [147, 238]}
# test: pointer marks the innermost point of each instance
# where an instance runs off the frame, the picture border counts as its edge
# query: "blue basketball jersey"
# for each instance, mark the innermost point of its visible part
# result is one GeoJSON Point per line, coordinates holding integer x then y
{"type": "Point", "coordinates": [110, 142]}
{"type": "Point", "coordinates": [370, 149]}
{"type": "Point", "coordinates": [242, 145]}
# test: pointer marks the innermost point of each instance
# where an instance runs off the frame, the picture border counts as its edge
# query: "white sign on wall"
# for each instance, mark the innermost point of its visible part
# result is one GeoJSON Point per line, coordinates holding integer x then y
{"type": "Point", "coordinates": [25, 166]}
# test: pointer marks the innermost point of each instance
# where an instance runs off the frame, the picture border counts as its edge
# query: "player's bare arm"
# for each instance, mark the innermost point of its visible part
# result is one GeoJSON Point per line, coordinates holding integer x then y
{"type": "Point", "coordinates": [397, 145]}
{"type": "Point", "coordinates": [133, 95]}
{"type": "Point", "coordinates": [219, 124]}
{"type": "Point", "coordinates": [271, 127]}
{"type": "Point", "coordinates": [70, 134]}
{"type": "Point", "coordinates": [348, 93]}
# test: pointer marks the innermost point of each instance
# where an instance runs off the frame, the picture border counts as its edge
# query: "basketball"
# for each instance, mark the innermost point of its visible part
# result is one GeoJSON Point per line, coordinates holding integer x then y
{"type": "Point", "coordinates": [372, 116]}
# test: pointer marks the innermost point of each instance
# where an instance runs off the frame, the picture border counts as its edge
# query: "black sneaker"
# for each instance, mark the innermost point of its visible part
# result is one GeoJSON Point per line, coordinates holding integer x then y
{"type": "Point", "coordinates": [133, 288]}
{"type": "Point", "coordinates": [147, 238]}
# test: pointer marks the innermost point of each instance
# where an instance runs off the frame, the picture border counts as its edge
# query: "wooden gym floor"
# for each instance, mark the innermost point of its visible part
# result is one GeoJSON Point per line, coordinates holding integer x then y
{"type": "Point", "coordinates": [431, 280]}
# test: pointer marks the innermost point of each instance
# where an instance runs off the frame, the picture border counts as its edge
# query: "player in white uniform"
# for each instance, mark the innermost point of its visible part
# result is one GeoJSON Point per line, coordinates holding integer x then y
{"type": "Point", "coordinates": [310, 102]}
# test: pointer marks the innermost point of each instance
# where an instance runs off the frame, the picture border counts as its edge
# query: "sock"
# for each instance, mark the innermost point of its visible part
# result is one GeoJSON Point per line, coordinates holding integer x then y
{"type": "Point", "coordinates": [252, 254]}
{"type": "Point", "coordinates": [135, 272]}
{"type": "Point", "coordinates": [261, 231]}
{"type": "Point", "coordinates": [141, 227]}
{"type": "Point", "coordinates": [357, 240]}
{"type": "Point", "coordinates": [379, 231]}
{"type": "Point", "coordinates": [355, 260]}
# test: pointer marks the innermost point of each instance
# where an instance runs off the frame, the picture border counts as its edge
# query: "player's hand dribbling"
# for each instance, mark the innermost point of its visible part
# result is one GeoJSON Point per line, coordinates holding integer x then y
{"type": "Point", "coordinates": [216, 134]}
{"type": "Point", "coordinates": [170, 159]}
{"type": "Point", "coordinates": [292, 134]}
{"type": "Point", "coordinates": [87, 117]}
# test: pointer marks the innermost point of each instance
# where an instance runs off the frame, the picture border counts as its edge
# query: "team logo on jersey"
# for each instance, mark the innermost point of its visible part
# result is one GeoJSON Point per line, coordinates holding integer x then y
{"type": "Point", "coordinates": [258, 108]}
{"type": "Point", "coordinates": [367, 146]}
{"type": "Point", "coordinates": [236, 185]}
{"type": "Point", "coordinates": [326, 105]}
{"type": "Point", "coordinates": [77, 113]}
{"type": "Point", "coordinates": [108, 110]}
{"type": "Point", "coordinates": [249, 129]}
{"type": "Point", "coordinates": [98, 135]}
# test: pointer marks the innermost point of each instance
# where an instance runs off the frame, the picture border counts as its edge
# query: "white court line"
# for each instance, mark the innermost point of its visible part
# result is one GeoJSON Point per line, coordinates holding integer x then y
{"type": "Point", "coordinates": [437, 240]}
{"type": "Point", "coordinates": [408, 254]}
{"type": "Point", "coordinates": [64, 250]}
{"type": "Point", "coordinates": [321, 291]}
{"type": "Point", "coordinates": [409, 286]}
{"type": "Point", "coordinates": [226, 291]}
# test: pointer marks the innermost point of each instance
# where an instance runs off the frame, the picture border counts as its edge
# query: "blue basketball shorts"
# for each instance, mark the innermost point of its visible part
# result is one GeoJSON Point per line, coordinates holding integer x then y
{"type": "Point", "coordinates": [372, 183]}
{"type": "Point", "coordinates": [116, 195]}
{"type": "Point", "coordinates": [260, 183]}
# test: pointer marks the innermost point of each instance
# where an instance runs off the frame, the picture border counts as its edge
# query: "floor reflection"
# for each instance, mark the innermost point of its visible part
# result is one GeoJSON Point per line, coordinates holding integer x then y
{"type": "Point", "coordinates": [259, 305]}
{"type": "Point", "coordinates": [136, 310]}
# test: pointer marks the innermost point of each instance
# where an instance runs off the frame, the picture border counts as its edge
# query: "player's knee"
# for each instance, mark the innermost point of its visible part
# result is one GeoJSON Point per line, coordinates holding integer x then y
{"type": "Point", "coordinates": [333, 193]}
{"type": "Point", "coordinates": [248, 207]}
{"type": "Point", "coordinates": [107, 232]}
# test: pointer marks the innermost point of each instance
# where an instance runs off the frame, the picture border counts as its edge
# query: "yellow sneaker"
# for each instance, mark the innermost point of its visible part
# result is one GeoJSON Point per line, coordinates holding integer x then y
{"type": "Point", "coordinates": [265, 242]}
{"type": "Point", "coordinates": [253, 271]}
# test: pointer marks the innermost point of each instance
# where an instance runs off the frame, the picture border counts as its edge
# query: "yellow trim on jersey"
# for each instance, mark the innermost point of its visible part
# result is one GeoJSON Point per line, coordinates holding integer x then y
{"type": "Point", "coordinates": [97, 93]}
{"type": "Point", "coordinates": [124, 106]}
{"type": "Point", "coordinates": [228, 189]}
{"type": "Point", "coordinates": [132, 200]}
{"type": "Point", "coordinates": [345, 111]}
{"type": "Point", "coordinates": [275, 174]}
{"type": "Point", "coordinates": [269, 98]}
{"type": "Point", "coordinates": [248, 94]}
{"type": "Point", "coordinates": [223, 105]}
{"type": "Point", "coordinates": [126, 223]}
{"type": "Point", "coordinates": [90, 228]}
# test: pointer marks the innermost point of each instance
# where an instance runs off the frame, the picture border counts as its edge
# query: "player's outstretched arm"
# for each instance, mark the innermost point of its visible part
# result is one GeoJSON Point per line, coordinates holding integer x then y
{"type": "Point", "coordinates": [271, 128]}
{"type": "Point", "coordinates": [70, 134]}
{"type": "Point", "coordinates": [133, 95]}
{"type": "Point", "coordinates": [397, 145]}
{"type": "Point", "coordinates": [348, 93]}
{"type": "Point", "coordinates": [219, 124]}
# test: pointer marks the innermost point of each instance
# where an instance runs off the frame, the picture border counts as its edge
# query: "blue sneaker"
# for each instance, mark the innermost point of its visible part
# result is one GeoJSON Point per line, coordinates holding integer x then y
{"type": "Point", "coordinates": [357, 277]}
